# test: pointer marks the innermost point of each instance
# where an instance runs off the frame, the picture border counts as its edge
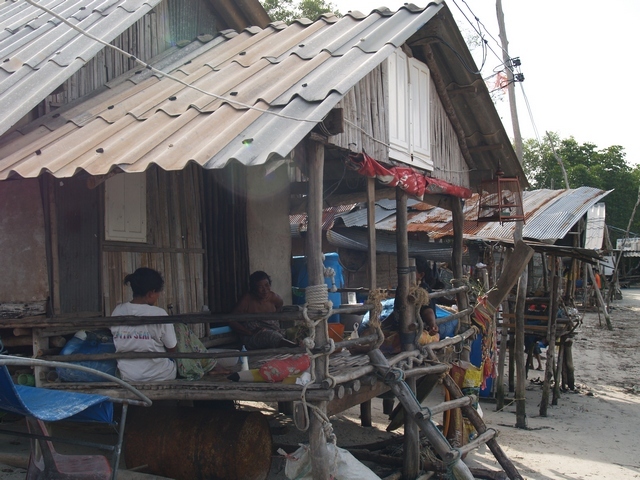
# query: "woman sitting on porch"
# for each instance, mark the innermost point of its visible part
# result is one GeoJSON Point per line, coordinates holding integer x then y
{"type": "Point", "coordinates": [147, 284]}
{"type": "Point", "coordinates": [260, 334]}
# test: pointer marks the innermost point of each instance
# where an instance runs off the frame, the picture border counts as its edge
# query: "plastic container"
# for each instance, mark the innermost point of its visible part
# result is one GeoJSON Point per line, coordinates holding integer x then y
{"type": "Point", "coordinates": [300, 279]}
{"type": "Point", "coordinates": [87, 343]}
{"type": "Point", "coordinates": [244, 360]}
{"type": "Point", "coordinates": [226, 361]}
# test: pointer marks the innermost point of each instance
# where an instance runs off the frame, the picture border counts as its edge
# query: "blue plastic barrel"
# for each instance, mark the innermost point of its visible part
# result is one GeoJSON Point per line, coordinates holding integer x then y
{"type": "Point", "coordinates": [300, 280]}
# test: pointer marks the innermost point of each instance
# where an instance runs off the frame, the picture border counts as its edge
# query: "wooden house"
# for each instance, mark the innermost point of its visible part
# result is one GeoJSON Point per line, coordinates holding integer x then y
{"type": "Point", "coordinates": [191, 159]}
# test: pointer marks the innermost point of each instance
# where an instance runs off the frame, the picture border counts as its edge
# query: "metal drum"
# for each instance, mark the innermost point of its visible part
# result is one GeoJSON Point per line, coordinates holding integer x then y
{"type": "Point", "coordinates": [197, 443]}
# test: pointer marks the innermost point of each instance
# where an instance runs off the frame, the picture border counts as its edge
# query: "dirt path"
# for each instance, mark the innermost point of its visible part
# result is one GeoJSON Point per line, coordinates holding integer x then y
{"type": "Point", "coordinates": [593, 432]}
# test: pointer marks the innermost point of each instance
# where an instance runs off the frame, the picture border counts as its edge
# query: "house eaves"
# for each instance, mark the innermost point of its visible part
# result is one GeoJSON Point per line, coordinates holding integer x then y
{"type": "Point", "coordinates": [271, 86]}
{"type": "Point", "coordinates": [39, 52]}
{"type": "Point", "coordinates": [466, 99]}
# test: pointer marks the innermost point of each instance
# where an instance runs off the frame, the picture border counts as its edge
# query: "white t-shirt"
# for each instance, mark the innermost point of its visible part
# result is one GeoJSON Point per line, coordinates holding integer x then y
{"type": "Point", "coordinates": [144, 338]}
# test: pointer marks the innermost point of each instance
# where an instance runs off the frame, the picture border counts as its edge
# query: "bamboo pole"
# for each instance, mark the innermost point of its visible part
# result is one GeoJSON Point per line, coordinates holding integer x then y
{"type": "Point", "coordinates": [551, 339]}
{"type": "Point", "coordinates": [320, 462]}
{"type": "Point", "coordinates": [365, 407]}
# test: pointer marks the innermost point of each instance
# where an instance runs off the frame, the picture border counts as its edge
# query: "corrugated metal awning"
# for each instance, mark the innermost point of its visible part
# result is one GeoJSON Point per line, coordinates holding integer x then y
{"type": "Point", "coordinates": [295, 73]}
{"type": "Point", "coordinates": [549, 215]}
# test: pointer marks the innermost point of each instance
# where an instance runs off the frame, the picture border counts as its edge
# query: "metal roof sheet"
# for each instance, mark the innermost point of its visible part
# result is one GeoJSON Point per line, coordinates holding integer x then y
{"type": "Point", "coordinates": [297, 72]}
{"type": "Point", "coordinates": [298, 221]}
{"type": "Point", "coordinates": [38, 52]}
{"type": "Point", "coordinates": [549, 215]}
{"type": "Point", "coordinates": [595, 226]}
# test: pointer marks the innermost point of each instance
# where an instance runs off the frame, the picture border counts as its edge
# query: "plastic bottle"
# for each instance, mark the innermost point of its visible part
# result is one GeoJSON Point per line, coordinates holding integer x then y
{"type": "Point", "coordinates": [244, 360]}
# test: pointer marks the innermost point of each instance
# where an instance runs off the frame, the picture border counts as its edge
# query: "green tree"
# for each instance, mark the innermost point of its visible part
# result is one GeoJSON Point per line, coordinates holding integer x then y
{"type": "Point", "coordinates": [288, 10]}
{"type": "Point", "coordinates": [586, 165]}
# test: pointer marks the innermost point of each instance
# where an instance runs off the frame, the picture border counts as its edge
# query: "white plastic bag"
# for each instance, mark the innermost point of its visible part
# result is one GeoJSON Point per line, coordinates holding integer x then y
{"type": "Point", "coordinates": [344, 465]}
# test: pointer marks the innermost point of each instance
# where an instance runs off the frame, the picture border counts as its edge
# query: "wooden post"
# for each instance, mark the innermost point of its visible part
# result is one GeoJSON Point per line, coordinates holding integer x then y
{"type": "Point", "coordinates": [557, 375]}
{"type": "Point", "coordinates": [365, 407]}
{"type": "Point", "coordinates": [502, 355]}
{"type": "Point", "coordinates": [599, 297]}
{"type": "Point", "coordinates": [504, 339]}
{"type": "Point", "coordinates": [568, 363]}
{"type": "Point", "coordinates": [371, 231]}
{"type": "Point", "coordinates": [456, 257]}
{"type": "Point", "coordinates": [320, 462]}
{"type": "Point", "coordinates": [545, 273]}
{"type": "Point", "coordinates": [406, 311]}
{"type": "Point", "coordinates": [551, 339]}
{"type": "Point", "coordinates": [521, 380]}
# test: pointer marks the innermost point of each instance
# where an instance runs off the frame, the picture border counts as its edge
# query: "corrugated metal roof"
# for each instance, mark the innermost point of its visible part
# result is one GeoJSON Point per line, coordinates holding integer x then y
{"type": "Point", "coordinates": [301, 71]}
{"type": "Point", "coordinates": [298, 221]}
{"type": "Point", "coordinates": [38, 52]}
{"type": "Point", "coordinates": [549, 215]}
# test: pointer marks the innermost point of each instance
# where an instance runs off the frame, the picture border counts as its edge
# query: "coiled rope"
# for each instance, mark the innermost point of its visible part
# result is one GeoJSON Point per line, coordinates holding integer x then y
{"type": "Point", "coordinates": [375, 298]}
{"type": "Point", "coordinates": [317, 297]}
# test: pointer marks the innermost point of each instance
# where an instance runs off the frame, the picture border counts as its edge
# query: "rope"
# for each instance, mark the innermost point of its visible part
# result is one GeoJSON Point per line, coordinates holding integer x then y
{"type": "Point", "coordinates": [329, 272]}
{"type": "Point", "coordinates": [375, 298]}
{"type": "Point", "coordinates": [421, 299]}
{"type": "Point", "coordinates": [317, 299]}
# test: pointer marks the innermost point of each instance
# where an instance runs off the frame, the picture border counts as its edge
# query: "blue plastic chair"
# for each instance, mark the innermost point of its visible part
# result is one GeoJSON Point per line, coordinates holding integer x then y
{"type": "Point", "coordinates": [41, 405]}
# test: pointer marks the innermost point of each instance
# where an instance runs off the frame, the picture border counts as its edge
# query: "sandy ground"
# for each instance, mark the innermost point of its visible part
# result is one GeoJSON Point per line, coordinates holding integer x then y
{"type": "Point", "coordinates": [591, 433]}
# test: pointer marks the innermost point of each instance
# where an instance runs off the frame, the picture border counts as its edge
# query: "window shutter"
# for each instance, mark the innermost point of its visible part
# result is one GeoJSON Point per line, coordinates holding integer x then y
{"type": "Point", "coordinates": [399, 134]}
{"type": "Point", "coordinates": [420, 108]}
{"type": "Point", "coordinates": [126, 208]}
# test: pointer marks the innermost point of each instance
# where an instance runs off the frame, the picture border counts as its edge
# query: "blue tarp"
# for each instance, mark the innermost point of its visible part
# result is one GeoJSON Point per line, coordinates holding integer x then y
{"type": "Point", "coordinates": [52, 405]}
{"type": "Point", "coordinates": [447, 329]}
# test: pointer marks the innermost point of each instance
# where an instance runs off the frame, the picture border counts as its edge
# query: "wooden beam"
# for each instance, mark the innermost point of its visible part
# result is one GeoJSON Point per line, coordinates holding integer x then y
{"type": "Point", "coordinates": [518, 260]}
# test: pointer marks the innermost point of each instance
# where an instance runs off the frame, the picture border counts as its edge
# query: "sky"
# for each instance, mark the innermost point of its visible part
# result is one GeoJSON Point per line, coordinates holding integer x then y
{"type": "Point", "coordinates": [578, 60]}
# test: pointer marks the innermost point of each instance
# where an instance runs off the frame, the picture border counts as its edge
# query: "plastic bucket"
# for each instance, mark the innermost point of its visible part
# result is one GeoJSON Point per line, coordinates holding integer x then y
{"type": "Point", "coordinates": [336, 331]}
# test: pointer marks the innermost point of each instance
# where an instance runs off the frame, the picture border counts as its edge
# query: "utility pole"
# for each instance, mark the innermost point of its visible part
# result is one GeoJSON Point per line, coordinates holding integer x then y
{"type": "Point", "coordinates": [521, 416]}
{"type": "Point", "coordinates": [559, 160]}
{"type": "Point", "coordinates": [517, 136]}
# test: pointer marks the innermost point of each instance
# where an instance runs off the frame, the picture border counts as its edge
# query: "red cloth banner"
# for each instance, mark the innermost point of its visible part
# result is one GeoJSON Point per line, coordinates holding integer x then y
{"type": "Point", "coordinates": [414, 183]}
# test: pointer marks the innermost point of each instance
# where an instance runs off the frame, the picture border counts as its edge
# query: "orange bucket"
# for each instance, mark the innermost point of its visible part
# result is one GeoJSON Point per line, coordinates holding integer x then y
{"type": "Point", "coordinates": [336, 331]}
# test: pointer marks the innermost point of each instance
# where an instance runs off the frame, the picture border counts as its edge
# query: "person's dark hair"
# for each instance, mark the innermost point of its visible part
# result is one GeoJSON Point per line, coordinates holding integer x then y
{"type": "Point", "coordinates": [256, 277]}
{"type": "Point", "coordinates": [143, 281]}
{"type": "Point", "coordinates": [422, 265]}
